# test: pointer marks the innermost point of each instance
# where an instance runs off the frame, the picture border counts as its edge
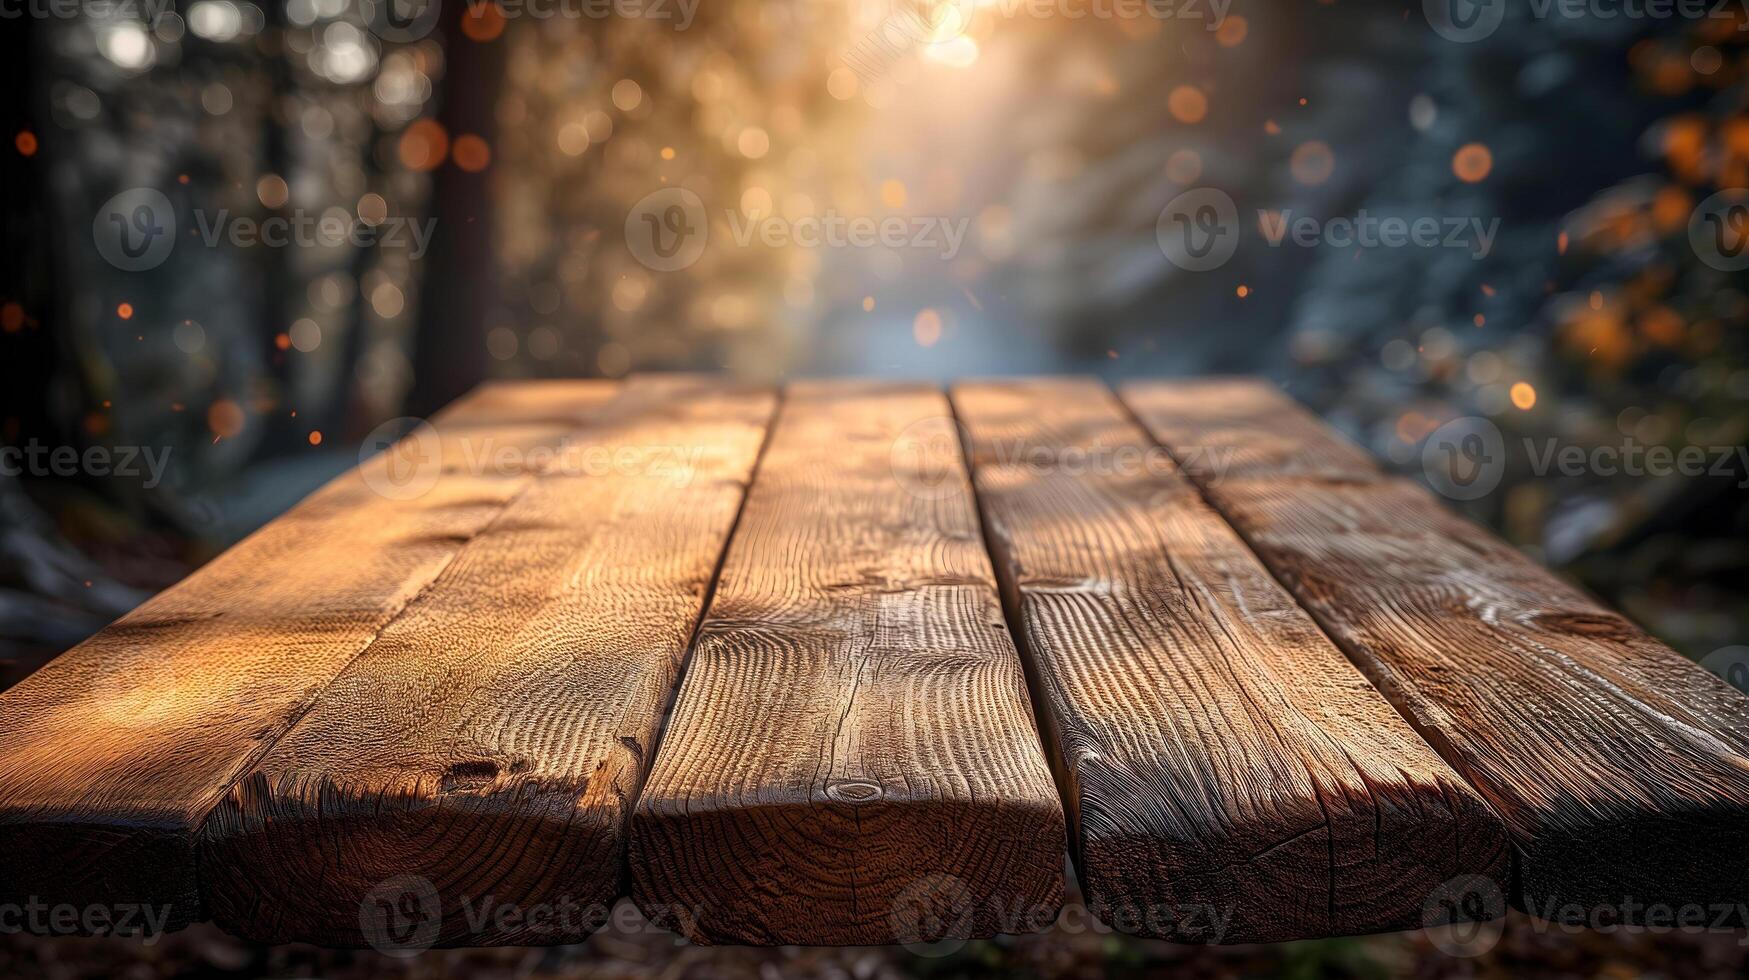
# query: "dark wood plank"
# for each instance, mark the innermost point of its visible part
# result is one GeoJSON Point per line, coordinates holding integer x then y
{"type": "Point", "coordinates": [853, 757]}
{"type": "Point", "coordinates": [116, 751]}
{"type": "Point", "coordinates": [482, 754]}
{"type": "Point", "coordinates": [1620, 768]}
{"type": "Point", "coordinates": [1233, 778]}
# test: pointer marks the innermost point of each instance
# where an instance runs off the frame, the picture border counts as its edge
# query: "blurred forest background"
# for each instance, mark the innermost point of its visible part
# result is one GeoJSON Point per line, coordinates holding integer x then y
{"type": "Point", "coordinates": [526, 139]}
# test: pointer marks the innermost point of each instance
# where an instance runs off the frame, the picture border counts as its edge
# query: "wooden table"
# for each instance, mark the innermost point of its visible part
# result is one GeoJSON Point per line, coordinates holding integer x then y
{"type": "Point", "coordinates": [856, 662]}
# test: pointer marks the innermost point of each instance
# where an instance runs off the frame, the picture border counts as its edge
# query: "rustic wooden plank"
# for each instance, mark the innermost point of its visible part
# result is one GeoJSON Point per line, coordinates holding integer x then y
{"type": "Point", "coordinates": [116, 751]}
{"type": "Point", "coordinates": [1620, 768]}
{"type": "Point", "coordinates": [483, 753]}
{"type": "Point", "coordinates": [853, 757]}
{"type": "Point", "coordinates": [1232, 777]}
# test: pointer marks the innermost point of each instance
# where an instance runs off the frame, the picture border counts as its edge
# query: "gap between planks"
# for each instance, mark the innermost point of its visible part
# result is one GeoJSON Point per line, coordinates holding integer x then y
{"type": "Point", "coordinates": [114, 761]}
{"type": "Point", "coordinates": [508, 717]}
{"type": "Point", "coordinates": [853, 756]}
{"type": "Point", "coordinates": [1230, 776]}
{"type": "Point", "coordinates": [1620, 768]}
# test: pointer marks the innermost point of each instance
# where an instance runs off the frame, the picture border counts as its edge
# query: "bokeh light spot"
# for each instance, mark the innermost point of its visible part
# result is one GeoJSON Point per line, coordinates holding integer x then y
{"type": "Point", "coordinates": [424, 144]}
{"type": "Point", "coordinates": [1187, 104]}
{"type": "Point", "coordinates": [1312, 162]}
{"type": "Point", "coordinates": [1472, 162]}
{"type": "Point", "coordinates": [471, 153]}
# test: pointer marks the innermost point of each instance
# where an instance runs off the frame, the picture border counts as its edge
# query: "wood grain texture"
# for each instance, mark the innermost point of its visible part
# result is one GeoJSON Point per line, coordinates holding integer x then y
{"type": "Point", "coordinates": [484, 751]}
{"type": "Point", "coordinates": [1232, 777]}
{"type": "Point", "coordinates": [1620, 768]}
{"type": "Point", "coordinates": [853, 757]}
{"type": "Point", "coordinates": [116, 751]}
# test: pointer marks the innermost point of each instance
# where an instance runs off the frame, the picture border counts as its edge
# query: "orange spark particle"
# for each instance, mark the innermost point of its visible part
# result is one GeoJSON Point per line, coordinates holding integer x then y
{"type": "Point", "coordinates": [125, 311]}
{"type": "Point", "coordinates": [282, 341]}
{"type": "Point", "coordinates": [1243, 290]}
{"type": "Point", "coordinates": [1523, 395]}
{"type": "Point", "coordinates": [316, 438]}
{"type": "Point", "coordinates": [868, 304]}
{"type": "Point", "coordinates": [26, 142]}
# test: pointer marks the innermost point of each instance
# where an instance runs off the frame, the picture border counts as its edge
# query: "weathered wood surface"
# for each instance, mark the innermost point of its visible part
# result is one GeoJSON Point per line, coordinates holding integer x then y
{"type": "Point", "coordinates": [483, 753]}
{"type": "Point", "coordinates": [1231, 777]}
{"type": "Point", "coordinates": [113, 753]}
{"type": "Point", "coordinates": [853, 757]}
{"type": "Point", "coordinates": [1620, 768]}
